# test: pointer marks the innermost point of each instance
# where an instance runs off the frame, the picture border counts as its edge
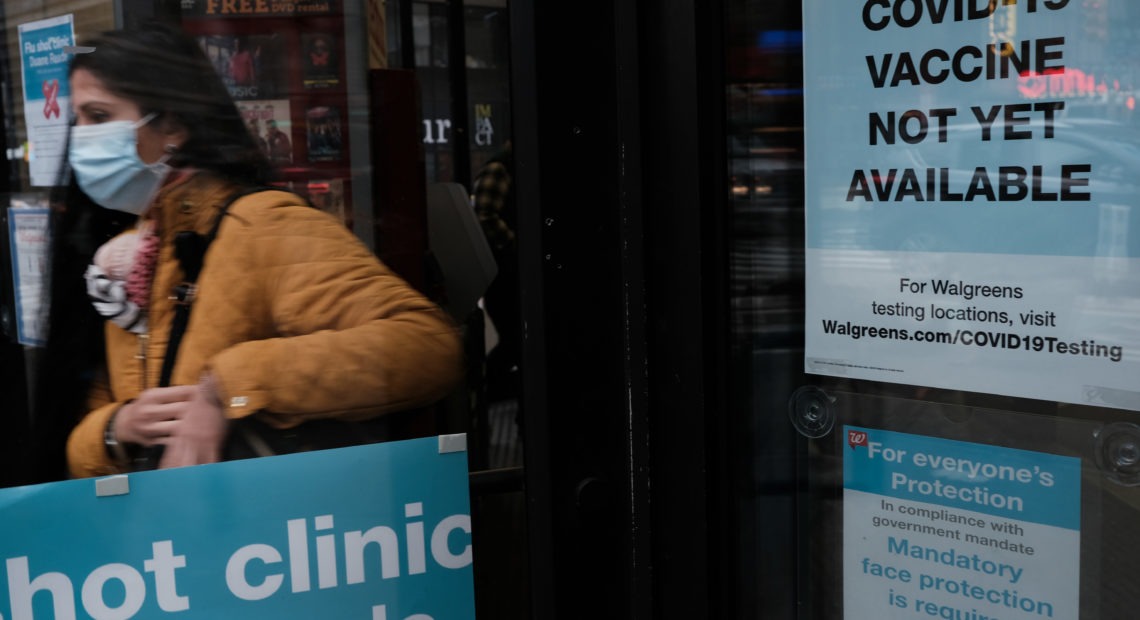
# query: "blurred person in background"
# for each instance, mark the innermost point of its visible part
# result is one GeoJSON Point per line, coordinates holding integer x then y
{"type": "Point", "coordinates": [492, 197]}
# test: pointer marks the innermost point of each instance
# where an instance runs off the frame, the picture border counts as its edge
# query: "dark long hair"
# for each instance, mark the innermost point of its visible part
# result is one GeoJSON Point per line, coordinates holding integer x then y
{"type": "Point", "coordinates": [163, 71]}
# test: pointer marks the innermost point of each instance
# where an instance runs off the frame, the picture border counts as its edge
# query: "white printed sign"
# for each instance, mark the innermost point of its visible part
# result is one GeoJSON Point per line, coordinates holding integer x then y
{"type": "Point", "coordinates": [972, 203]}
{"type": "Point", "coordinates": [28, 238]}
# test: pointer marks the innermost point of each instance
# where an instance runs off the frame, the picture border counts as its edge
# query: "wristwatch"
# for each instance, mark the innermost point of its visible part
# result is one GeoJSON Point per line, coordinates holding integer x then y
{"type": "Point", "coordinates": [114, 448]}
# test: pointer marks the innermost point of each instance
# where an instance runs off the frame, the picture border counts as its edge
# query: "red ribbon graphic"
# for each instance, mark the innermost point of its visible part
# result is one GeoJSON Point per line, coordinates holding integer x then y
{"type": "Point", "coordinates": [51, 93]}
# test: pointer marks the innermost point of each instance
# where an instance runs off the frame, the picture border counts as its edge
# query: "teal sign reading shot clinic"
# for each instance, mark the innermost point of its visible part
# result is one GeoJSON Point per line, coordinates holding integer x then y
{"type": "Point", "coordinates": [378, 532]}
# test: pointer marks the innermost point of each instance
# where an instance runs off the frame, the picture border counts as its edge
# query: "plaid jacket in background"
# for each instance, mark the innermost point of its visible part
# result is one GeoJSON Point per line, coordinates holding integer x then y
{"type": "Point", "coordinates": [491, 197]}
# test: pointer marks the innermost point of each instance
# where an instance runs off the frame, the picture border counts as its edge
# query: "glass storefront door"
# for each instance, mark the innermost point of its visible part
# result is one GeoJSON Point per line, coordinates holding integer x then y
{"type": "Point", "coordinates": [934, 309]}
{"type": "Point", "coordinates": [356, 127]}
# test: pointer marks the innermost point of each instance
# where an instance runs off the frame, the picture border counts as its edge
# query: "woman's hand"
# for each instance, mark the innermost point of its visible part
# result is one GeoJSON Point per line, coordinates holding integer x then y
{"type": "Point", "coordinates": [152, 417]}
{"type": "Point", "coordinates": [199, 432]}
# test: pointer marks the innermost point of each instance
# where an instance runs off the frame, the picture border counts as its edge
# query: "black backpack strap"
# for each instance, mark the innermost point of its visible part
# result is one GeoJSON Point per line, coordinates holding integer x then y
{"type": "Point", "coordinates": [190, 250]}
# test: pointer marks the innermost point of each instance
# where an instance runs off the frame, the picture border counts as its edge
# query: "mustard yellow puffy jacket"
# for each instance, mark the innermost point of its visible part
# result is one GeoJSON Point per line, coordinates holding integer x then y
{"type": "Point", "coordinates": [294, 317]}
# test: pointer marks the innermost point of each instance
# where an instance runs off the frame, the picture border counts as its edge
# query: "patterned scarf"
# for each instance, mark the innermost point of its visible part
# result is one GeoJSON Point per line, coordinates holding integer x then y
{"type": "Point", "coordinates": [119, 281]}
{"type": "Point", "coordinates": [141, 276]}
{"type": "Point", "coordinates": [120, 291]}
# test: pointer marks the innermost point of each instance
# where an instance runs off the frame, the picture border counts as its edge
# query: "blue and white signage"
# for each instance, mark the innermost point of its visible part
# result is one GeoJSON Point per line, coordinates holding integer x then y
{"type": "Point", "coordinates": [935, 528]}
{"type": "Point", "coordinates": [47, 106]}
{"type": "Point", "coordinates": [28, 239]}
{"type": "Point", "coordinates": [377, 532]}
{"type": "Point", "coordinates": [972, 196]}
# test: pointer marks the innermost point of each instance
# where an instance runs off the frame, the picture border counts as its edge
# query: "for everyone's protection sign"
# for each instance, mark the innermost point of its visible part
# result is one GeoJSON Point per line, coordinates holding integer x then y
{"type": "Point", "coordinates": [377, 532]}
{"type": "Point", "coordinates": [934, 528]}
{"type": "Point", "coordinates": [973, 196]}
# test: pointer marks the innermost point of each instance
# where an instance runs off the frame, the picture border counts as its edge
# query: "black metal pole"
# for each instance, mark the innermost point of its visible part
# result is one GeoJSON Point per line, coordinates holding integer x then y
{"type": "Point", "coordinates": [407, 36]}
{"type": "Point", "coordinates": [457, 76]}
{"type": "Point", "coordinates": [12, 170]}
{"type": "Point", "coordinates": [535, 427]}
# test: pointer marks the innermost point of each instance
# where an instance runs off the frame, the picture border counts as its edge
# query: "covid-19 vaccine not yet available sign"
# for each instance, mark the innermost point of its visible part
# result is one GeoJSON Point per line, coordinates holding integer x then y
{"type": "Point", "coordinates": [972, 197]}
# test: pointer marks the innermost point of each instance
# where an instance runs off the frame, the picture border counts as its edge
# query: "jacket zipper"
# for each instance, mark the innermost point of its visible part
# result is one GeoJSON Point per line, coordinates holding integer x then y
{"type": "Point", "coordinates": [144, 340]}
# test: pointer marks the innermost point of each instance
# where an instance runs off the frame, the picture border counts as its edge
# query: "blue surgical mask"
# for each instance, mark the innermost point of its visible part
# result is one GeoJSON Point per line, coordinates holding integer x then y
{"type": "Point", "coordinates": [105, 160]}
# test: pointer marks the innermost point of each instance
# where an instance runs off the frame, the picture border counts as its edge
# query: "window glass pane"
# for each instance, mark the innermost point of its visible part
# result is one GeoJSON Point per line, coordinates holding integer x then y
{"type": "Point", "coordinates": [919, 475]}
{"type": "Point", "coordinates": [765, 169]}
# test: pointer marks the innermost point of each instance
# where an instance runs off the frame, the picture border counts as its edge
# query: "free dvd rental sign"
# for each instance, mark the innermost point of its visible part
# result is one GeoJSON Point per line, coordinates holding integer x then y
{"type": "Point", "coordinates": [972, 196]}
